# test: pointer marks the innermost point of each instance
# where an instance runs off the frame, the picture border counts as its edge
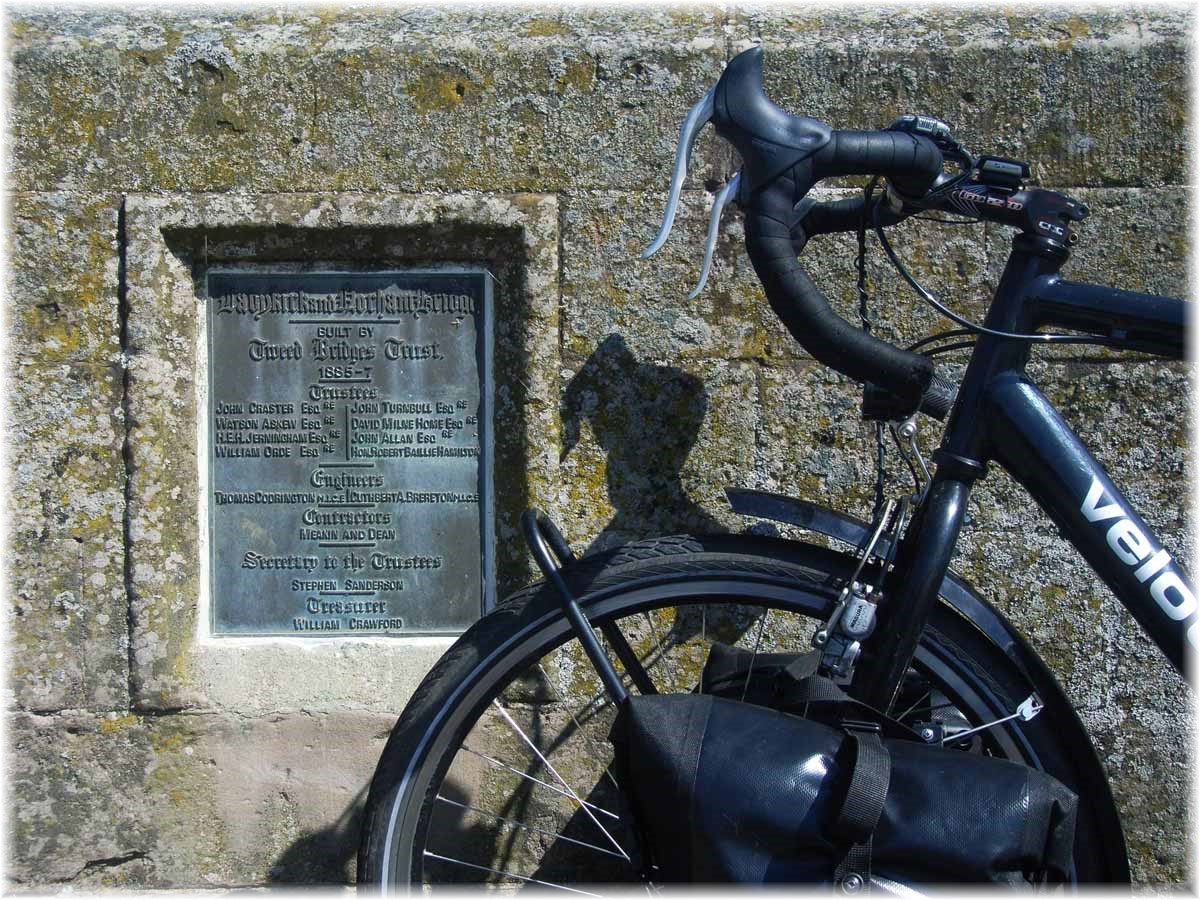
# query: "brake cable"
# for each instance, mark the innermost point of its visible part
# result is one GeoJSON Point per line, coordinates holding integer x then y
{"type": "Point", "coordinates": [967, 323]}
{"type": "Point", "coordinates": [864, 299]}
{"type": "Point", "coordinates": [968, 344]}
{"type": "Point", "coordinates": [940, 336]}
{"type": "Point", "coordinates": [950, 348]}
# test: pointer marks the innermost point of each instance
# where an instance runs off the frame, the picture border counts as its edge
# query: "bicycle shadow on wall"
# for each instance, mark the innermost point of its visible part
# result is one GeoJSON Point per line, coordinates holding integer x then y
{"type": "Point", "coordinates": [645, 418]}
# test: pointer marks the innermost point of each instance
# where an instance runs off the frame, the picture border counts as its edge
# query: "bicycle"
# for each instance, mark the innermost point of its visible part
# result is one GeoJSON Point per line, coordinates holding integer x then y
{"type": "Point", "coordinates": [889, 620]}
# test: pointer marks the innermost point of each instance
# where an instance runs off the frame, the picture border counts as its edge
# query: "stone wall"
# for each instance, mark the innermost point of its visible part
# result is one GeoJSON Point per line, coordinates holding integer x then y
{"type": "Point", "coordinates": [538, 142]}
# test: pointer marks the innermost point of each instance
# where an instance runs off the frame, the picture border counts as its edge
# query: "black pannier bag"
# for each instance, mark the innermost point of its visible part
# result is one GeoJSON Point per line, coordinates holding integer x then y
{"type": "Point", "coordinates": [730, 791]}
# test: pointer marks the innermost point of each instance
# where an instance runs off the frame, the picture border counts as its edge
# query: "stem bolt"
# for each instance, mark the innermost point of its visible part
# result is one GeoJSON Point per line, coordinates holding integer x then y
{"type": "Point", "coordinates": [852, 883]}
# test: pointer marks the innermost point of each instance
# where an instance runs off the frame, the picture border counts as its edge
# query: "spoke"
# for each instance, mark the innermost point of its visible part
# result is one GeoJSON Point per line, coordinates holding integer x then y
{"type": "Point", "coordinates": [662, 653]}
{"type": "Point", "coordinates": [703, 637]}
{"type": "Point", "coordinates": [762, 623]}
{"type": "Point", "coordinates": [553, 771]}
{"type": "Point", "coordinates": [900, 718]}
{"type": "Point", "coordinates": [528, 777]}
{"type": "Point", "coordinates": [526, 826]}
{"type": "Point", "coordinates": [578, 727]}
{"type": "Point", "coordinates": [525, 878]}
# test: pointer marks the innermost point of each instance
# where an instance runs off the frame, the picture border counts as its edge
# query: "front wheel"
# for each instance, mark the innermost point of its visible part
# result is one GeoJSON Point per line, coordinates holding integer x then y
{"type": "Point", "coordinates": [498, 770]}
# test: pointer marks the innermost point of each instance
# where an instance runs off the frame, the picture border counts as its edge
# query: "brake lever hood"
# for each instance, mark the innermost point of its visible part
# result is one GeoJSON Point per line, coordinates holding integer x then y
{"type": "Point", "coordinates": [770, 140]}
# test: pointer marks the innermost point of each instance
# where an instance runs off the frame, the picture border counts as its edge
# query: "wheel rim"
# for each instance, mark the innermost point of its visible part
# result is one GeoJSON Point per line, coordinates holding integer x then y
{"type": "Point", "coordinates": [420, 842]}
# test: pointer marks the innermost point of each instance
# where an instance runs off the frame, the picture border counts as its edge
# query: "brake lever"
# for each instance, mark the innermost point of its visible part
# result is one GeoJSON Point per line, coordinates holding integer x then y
{"type": "Point", "coordinates": [698, 116]}
{"type": "Point", "coordinates": [714, 226]}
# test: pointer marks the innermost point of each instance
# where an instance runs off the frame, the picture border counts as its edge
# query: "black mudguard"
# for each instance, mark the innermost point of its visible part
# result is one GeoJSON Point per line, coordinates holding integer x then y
{"type": "Point", "coordinates": [961, 597]}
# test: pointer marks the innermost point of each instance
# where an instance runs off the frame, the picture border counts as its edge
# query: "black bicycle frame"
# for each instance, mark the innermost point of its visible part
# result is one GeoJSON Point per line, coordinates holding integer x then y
{"type": "Point", "coordinates": [1001, 416]}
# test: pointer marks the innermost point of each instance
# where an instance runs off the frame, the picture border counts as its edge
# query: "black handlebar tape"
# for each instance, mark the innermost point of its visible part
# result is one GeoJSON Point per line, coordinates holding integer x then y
{"type": "Point", "coordinates": [775, 237]}
{"type": "Point", "coordinates": [783, 156]}
{"type": "Point", "coordinates": [834, 216]}
{"type": "Point", "coordinates": [806, 312]}
{"type": "Point", "coordinates": [910, 162]}
{"type": "Point", "coordinates": [881, 405]}
{"type": "Point", "coordinates": [938, 397]}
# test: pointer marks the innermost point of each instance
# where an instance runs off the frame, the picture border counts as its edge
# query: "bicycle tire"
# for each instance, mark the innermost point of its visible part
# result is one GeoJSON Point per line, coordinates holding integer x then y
{"type": "Point", "coordinates": [751, 570]}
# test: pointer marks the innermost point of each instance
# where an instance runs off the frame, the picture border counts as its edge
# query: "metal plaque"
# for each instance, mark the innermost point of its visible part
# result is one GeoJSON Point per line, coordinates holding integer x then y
{"type": "Point", "coordinates": [349, 435]}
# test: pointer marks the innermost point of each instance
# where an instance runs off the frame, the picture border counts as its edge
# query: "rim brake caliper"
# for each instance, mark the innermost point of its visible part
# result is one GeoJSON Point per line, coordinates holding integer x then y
{"type": "Point", "coordinates": [853, 618]}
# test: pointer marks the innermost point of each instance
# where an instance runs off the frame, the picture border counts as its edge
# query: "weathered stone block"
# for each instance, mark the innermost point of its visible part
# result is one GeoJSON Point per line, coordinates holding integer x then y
{"type": "Point", "coordinates": [63, 279]}
{"type": "Point", "coordinates": [66, 574]}
{"type": "Point", "coordinates": [812, 442]}
{"type": "Point", "coordinates": [188, 800]}
{"type": "Point", "coordinates": [68, 633]}
{"type": "Point", "coordinates": [608, 288]}
{"type": "Point", "coordinates": [79, 804]}
{"type": "Point", "coordinates": [650, 445]}
{"type": "Point", "coordinates": [1063, 89]}
{"type": "Point", "coordinates": [277, 102]}
{"type": "Point", "coordinates": [68, 430]}
{"type": "Point", "coordinates": [515, 100]}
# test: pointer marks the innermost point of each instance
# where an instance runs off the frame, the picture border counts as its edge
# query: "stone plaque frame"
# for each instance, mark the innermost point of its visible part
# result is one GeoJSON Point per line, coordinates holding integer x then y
{"type": "Point", "coordinates": [175, 662]}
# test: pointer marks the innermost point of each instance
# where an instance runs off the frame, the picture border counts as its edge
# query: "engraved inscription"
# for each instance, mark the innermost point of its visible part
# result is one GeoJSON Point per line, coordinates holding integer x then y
{"type": "Point", "coordinates": [349, 464]}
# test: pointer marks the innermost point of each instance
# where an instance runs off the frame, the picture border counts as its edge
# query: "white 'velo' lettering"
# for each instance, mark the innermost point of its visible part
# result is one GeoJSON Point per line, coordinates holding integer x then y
{"type": "Point", "coordinates": [1179, 606]}
{"type": "Point", "coordinates": [1157, 563]}
{"type": "Point", "coordinates": [1091, 504]}
{"type": "Point", "coordinates": [1130, 545]}
{"type": "Point", "coordinates": [1128, 542]}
